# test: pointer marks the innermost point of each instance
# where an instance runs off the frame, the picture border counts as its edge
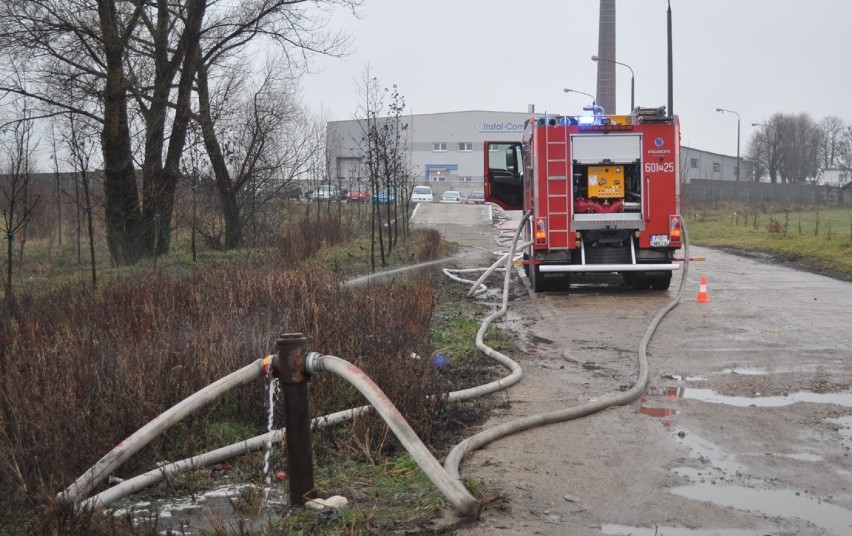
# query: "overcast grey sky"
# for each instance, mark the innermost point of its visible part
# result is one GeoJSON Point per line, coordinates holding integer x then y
{"type": "Point", "coordinates": [756, 57]}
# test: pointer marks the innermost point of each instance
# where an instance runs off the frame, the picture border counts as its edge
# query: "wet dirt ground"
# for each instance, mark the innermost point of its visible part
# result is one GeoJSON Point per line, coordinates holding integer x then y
{"type": "Point", "coordinates": [746, 428]}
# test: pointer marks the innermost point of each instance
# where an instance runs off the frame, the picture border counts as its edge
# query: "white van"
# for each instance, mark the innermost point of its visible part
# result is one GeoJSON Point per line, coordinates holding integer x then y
{"type": "Point", "coordinates": [422, 194]}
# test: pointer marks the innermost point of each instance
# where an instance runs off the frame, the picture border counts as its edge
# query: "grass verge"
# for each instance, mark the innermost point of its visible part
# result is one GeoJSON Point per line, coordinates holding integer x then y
{"type": "Point", "coordinates": [812, 239]}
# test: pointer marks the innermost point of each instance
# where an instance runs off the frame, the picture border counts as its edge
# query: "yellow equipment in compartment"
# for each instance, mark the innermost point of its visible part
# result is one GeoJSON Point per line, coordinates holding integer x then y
{"type": "Point", "coordinates": [606, 182]}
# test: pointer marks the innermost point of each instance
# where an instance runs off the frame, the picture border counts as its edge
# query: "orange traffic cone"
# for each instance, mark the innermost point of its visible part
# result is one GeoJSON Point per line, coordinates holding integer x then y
{"type": "Point", "coordinates": [702, 291]}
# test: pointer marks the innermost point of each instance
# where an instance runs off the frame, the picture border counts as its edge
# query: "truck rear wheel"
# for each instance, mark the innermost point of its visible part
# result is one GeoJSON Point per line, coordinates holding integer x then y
{"type": "Point", "coordinates": [536, 279]}
{"type": "Point", "coordinates": [661, 282]}
{"type": "Point", "coordinates": [564, 282]}
{"type": "Point", "coordinates": [641, 283]}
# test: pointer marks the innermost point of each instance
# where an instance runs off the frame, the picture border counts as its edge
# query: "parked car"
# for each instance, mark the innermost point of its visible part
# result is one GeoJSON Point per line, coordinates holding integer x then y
{"type": "Point", "coordinates": [291, 190]}
{"type": "Point", "coordinates": [358, 195]}
{"type": "Point", "coordinates": [451, 196]}
{"type": "Point", "coordinates": [422, 194]}
{"type": "Point", "coordinates": [476, 198]}
{"type": "Point", "coordinates": [325, 193]}
{"type": "Point", "coordinates": [384, 196]}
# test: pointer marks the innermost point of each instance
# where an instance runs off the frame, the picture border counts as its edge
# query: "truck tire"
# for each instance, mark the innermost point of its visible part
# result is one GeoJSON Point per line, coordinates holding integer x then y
{"type": "Point", "coordinates": [563, 283]}
{"type": "Point", "coordinates": [641, 283]}
{"type": "Point", "coordinates": [537, 279]}
{"type": "Point", "coordinates": [661, 282]}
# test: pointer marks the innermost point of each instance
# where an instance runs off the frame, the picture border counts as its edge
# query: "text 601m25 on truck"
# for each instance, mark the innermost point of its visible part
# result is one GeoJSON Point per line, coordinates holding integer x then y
{"type": "Point", "coordinates": [603, 192]}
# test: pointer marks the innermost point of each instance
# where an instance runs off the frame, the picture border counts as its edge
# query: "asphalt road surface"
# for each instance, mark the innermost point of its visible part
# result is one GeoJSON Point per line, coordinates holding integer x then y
{"type": "Point", "coordinates": [746, 428]}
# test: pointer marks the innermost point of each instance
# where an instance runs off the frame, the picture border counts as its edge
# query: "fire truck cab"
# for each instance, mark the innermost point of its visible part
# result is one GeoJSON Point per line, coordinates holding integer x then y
{"type": "Point", "coordinates": [603, 192]}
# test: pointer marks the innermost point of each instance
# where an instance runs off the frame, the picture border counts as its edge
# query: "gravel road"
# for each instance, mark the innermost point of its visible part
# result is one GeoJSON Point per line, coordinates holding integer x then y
{"type": "Point", "coordinates": [746, 428]}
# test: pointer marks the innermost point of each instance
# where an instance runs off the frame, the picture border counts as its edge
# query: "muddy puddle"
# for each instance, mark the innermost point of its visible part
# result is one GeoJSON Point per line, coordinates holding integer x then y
{"type": "Point", "coordinates": [235, 508]}
{"type": "Point", "coordinates": [772, 502]}
{"type": "Point", "coordinates": [628, 530]}
{"type": "Point", "coordinates": [832, 367]}
{"type": "Point", "coordinates": [711, 396]}
{"type": "Point", "coordinates": [652, 403]}
{"type": "Point", "coordinates": [717, 476]}
{"type": "Point", "coordinates": [684, 378]}
{"type": "Point", "coordinates": [714, 482]}
{"type": "Point", "coordinates": [720, 464]}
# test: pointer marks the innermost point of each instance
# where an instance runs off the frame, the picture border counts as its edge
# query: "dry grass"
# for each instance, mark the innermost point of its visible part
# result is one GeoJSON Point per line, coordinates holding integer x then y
{"type": "Point", "coordinates": [813, 238]}
{"type": "Point", "coordinates": [81, 370]}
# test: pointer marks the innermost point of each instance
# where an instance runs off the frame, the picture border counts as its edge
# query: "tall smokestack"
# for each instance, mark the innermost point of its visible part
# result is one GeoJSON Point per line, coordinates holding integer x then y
{"type": "Point", "coordinates": [671, 61]}
{"type": "Point", "coordinates": [606, 50]}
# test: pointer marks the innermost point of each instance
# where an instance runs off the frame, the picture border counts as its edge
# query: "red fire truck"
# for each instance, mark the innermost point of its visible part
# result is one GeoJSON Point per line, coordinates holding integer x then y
{"type": "Point", "coordinates": [603, 192]}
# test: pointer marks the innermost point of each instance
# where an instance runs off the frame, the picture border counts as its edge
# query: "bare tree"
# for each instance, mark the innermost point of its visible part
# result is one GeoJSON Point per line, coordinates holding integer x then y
{"type": "Point", "coordinates": [765, 149]}
{"type": "Point", "coordinates": [54, 157]}
{"type": "Point", "coordinates": [831, 131]}
{"type": "Point", "coordinates": [844, 150]}
{"type": "Point", "coordinates": [800, 147]}
{"type": "Point", "coordinates": [394, 155]}
{"type": "Point", "coordinates": [385, 158]}
{"type": "Point", "coordinates": [78, 140]}
{"type": "Point", "coordinates": [131, 65]}
{"type": "Point", "coordinates": [88, 58]}
{"type": "Point", "coordinates": [320, 171]}
{"type": "Point", "coordinates": [373, 138]}
{"type": "Point", "coordinates": [243, 143]}
{"type": "Point", "coordinates": [788, 147]}
{"type": "Point", "coordinates": [758, 152]}
{"type": "Point", "coordinates": [16, 204]}
{"type": "Point", "coordinates": [245, 164]}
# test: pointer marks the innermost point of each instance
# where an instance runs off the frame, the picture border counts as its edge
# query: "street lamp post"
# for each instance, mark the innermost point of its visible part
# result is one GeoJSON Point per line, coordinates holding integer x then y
{"type": "Point", "coordinates": [722, 110]}
{"type": "Point", "coordinates": [632, 79]}
{"type": "Point", "coordinates": [594, 103]}
{"type": "Point", "coordinates": [767, 127]}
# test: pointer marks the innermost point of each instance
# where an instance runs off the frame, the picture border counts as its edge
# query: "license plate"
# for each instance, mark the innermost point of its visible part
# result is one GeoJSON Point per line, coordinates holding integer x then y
{"type": "Point", "coordinates": [659, 240]}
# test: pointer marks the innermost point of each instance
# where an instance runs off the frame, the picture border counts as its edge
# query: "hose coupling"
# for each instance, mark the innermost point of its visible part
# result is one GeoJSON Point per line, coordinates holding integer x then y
{"type": "Point", "coordinates": [313, 363]}
{"type": "Point", "coordinates": [266, 365]}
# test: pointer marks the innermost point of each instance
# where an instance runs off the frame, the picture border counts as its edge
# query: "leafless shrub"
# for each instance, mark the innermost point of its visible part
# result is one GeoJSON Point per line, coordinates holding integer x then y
{"type": "Point", "coordinates": [774, 226]}
{"type": "Point", "coordinates": [428, 247]}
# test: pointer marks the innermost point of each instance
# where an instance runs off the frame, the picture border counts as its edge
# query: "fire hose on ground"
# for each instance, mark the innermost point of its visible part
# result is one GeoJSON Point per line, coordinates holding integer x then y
{"type": "Point", "coordinates": [456, 455]}
{"type": "Point", "coordinates": [451, 488]}
{"type": "Point", "coordinates": [77, 491]}
{"type": "Point", "coordinates": [446, 479]}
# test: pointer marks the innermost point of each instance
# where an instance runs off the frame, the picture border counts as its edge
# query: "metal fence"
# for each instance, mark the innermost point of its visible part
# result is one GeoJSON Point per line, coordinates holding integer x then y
{"type": "Point", "coordinates": [709, 192]}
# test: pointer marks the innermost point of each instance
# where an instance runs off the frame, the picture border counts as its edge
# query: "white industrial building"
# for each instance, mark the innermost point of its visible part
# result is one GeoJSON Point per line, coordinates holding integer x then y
{"type": "Point", "coordinates": [698, 164]}
{"type": "Point", "coordinates": [446, 150]}
{"type": "Point", "coordinates": [836, 177]}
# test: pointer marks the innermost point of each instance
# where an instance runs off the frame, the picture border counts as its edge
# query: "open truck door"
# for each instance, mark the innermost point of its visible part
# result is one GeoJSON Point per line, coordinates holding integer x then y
{"type": "Point", "coordinates": [504, 179]}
